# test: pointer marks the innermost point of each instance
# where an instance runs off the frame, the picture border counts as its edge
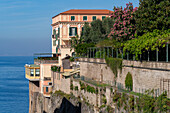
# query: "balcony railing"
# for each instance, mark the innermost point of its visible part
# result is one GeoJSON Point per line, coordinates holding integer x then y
{"type": "Point", "coordinates": [46, 60]}
{"type": "Point", "coordinates": [65, 46]}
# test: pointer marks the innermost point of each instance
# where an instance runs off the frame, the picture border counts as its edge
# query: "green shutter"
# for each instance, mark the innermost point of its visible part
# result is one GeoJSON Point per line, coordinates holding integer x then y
{"type": "Point", "coordinates": [94, 17]}
{"type": "Point", "coordinates": [70, 31]}
{"type": "Point", "coordinates": [75, 30]}
{"type": "Point", "coordinates": [72, 17]}
{"type": "Point", "coordinates": [103, 17]}
{"type": "Point", "coordinates": [82, 29]}
{"type": "Point", "coordinates": [56, 49]}
{"type": "Point", "coordinates": [54, 32]}
{"type": "Point", "coordinates": [59, 32]}
{"type": "Point", "coordinates": [58, 43]}
{"type": "Point", "coordinates": [84, 17]}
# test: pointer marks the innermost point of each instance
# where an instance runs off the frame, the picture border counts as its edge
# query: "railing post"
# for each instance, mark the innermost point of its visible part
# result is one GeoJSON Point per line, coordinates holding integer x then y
{"type": "Point", "coordinates": [148, 55]}
{"type": "Point", "coordinates": [167, 52]}
{"type": "Point", "coordinates": [134, 57]}
{"type": "Point", "coordinates": [112, 52]}
{"type": "Point", "coordinates": [90, 52]}
{"type": "Point", "coordinates": [122, 53]}
{"type": "Point", "coordinates": [107, 51]}
{"type": "Point", "coordinates": [104, 53]}
{"type": "Point", "coordinates": [96, 52]}
{"type": "Point", "coordinates": [93, 53]}
{"type": "Point", "coordinates": [157, 54]}
{"type": "Point", "coordinates": [116, 53]}
{"type": "Point", "coordinates": [100, 53]}
{"type": "Point", "coordinates": [128, 56]}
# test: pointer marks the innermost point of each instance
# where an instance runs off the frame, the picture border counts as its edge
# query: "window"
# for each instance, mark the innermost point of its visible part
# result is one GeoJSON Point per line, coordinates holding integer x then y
{"type": "Point", "coordinates": [72, 18]}
{"type": "Point", "coordinates": [50, 83]}
{"type": "Point", "coordinates": [54, 42]}
{"type": "Point", "coordinates": [46, 89]}
{"type": "Point", "coordinates": [37, 72]}
{"type": "Point", "coordinates": [103, 17]}
{"type": "Point", "coordinates": [73, 31]}
{"type": "Point", "coordinates": [94, 17]}
{"type": "Point", "coordinates": [31, 72]}
{"type": "Point", "coordinates": [84, 18]}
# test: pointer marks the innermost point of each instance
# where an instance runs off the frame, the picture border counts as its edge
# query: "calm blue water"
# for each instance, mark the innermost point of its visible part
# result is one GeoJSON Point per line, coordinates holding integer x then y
{"type": "Point", "coordinates": [14, 92]}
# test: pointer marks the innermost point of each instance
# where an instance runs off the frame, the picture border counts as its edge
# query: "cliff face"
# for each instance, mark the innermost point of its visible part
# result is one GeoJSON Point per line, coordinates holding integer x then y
{"type": "Point", "coordinates": [60, 104]}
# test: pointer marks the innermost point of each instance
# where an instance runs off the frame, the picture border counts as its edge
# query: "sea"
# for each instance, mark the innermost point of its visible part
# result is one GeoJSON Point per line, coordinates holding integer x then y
{"type": "Point", "coordinates": [14, 87]}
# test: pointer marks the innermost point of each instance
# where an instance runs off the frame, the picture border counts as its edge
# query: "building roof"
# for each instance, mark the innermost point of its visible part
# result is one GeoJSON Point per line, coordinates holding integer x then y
{"type": "Point", "coordinates": [86, 12]}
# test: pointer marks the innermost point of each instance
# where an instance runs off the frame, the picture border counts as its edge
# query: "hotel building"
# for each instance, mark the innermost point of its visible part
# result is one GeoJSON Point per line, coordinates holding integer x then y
{"type": "Point", "coordinates": [66, 25]}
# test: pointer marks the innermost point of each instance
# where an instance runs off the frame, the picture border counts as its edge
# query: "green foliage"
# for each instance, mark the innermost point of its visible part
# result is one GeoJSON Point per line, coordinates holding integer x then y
{"type": "Point", "coordinates": [96, 31]}
{"type": "Point", "coordinates": [114, 64]}
{"type": "Point", "coordinates": [131, 103]}
{"type": "Point", "coordinates": [86, 32]}
{"type": "Point", "coordinates": [97, 54]}
{"type": "Point", "coordinates": [71, 59]}
{"type": "Point", "coordinates": [116, 96]}
{"type": "Point", "coordinates": [124, 27]}
{"type": "Point", "coordinates": [104, 99]}
{"type": "Point", "coordinates": [149, 41]}
{"type": "Point", "coordinates": [129, 82]}
{"type": "Point", "coordinates": [107, 24]}
{"type": "Point", "coordinates": [91, 89]}
{"type": "Point", "coordinates": [71, 86]}
{"type": "Point", "coordinates": [152, 14]}
{"type": "Point", "coordinates": [55, 69]}
{"type": "Point", "coordinates": [81, 49]}
{"type": "Point", "coordinates": [76, 88]}
{"type": "Point", "coordinates": [82, 86]}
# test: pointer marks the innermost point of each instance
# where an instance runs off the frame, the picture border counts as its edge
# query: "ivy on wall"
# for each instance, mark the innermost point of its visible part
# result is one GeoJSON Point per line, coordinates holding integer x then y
{"type": "Point", "coordinates": [55, 69]}
{"type": "Point", "coordinates": [114, 64]}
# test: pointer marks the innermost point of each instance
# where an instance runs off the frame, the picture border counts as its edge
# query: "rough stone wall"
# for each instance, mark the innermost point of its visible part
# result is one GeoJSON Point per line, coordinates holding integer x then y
{"type": "Point", "coordinates": [60, 83]}
{"type": "Point", "coordinates": [146, 75]}
{"type": "Point", "coordinates": [97, 71]}
{"type": "Point", "coordinates": [50, 105]}
{"type": "Point", "coordinates": [33, 92]}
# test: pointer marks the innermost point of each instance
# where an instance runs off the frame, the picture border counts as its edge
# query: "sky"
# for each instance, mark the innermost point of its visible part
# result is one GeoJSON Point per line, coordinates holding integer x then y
{"type": "Point", "coordinates": [25, 25]}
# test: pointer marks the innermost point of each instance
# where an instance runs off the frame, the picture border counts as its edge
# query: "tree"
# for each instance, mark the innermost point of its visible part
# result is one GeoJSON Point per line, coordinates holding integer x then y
{"type": "Point", "coordinates": [152, 14]}
{"type": "Point", "coordinates": [129, 82]}
{"type": "Point", "coordinates": [86, 32]}
{"type": "Point", "coordinates": [124, 27]}
{"type": "Point", "coordinates": [96, 31]}
{"type": "Point", "coordinates": [107, 24]}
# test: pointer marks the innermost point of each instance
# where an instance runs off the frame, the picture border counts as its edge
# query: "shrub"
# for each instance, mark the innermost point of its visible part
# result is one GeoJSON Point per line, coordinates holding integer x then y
{"type": "Point", "coordinates": [71, 59]}
{"type": "Point", "coordinates": [129, 82]}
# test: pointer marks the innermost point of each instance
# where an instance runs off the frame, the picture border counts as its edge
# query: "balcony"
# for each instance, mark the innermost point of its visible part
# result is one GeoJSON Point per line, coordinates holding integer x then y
{"type": "Point", "coordinates": [65, 46]}
{"type": "Point", "coordinates": [46, 60]}
{"type": "Point", "coordinates": [32, 72]}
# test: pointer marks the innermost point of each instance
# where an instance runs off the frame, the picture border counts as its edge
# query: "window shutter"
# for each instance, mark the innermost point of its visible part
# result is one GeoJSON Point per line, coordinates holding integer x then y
{"type": "Point", "coordinates": [94, 17]}
{"type": "Point", "coordinates": [84, 17]}
{"type": "Point", "coordinates": [59, 32]}
{"type": "Point", "coordinates": [56, 50]}
{"type": "Point", "coordinates": [70, 31]}
{"type": "Point", "coordinates": [75, 30]}
{"type": "Point", "coordinates": [103, 17]}
{"type": "Point", "coordinates": [54, 32]}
